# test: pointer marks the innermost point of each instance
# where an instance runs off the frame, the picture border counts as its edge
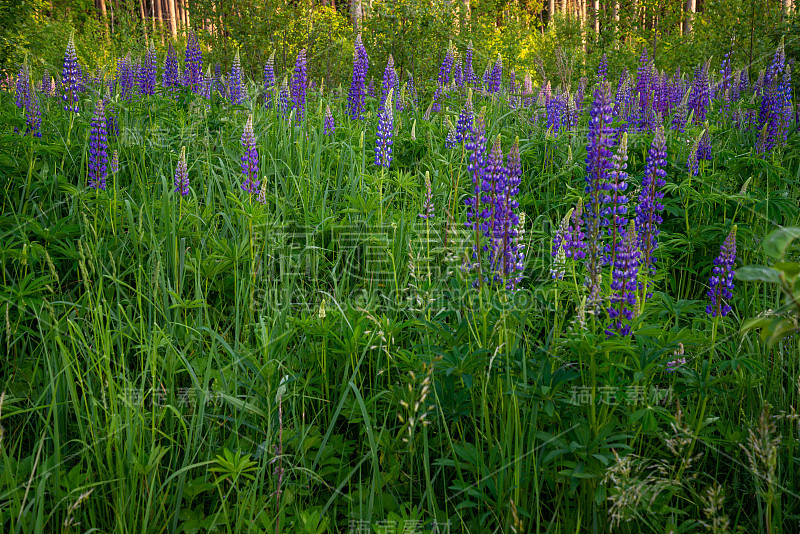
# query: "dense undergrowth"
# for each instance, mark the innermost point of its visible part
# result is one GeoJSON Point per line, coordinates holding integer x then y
{"type": "Point", "coordinates": [320, 360]}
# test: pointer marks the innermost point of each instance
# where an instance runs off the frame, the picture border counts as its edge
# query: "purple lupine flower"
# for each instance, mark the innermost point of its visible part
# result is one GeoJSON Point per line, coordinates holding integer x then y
{"type": "Point", "coordinates": [328, 127]}
{"type": "Point", "coordinates": [411, 89]}
{"type": "Point", "coordinates": [450, 140]}
{"type": "Point", "coordinates": [602, 70]}
{"type": "Point", "coordinates": [446, 67]}
{"type": "Point", "coordinates": [556, 108]}
{"type": "Point", "coordinates": [98, 149]}
{"type": "Point", "coordinates": [371, 88]}
{"type": "Point", "coordinates": [356, 96]}
{"type": "Point", "coordinates": [599, 163]}
{"type": "Point", "coordinates": [70, 78]}
{"type": "Point", "coordinates": [170, 76]}
{"type": "Point", "coordinates": [193, 71]}
{"type": "Point", "coordinates": [383, 144]}
{"type": "Point", "coordinates": [692, 162]}
{"type": "Point", "coordinates": [624, 283]}
{"type": "Point", "coordinates": [465, 119]}
{"type": "Point", "coordinates": [507, 250]}
{"type": "Point", "coordinates": [704, 147]}
{"type": "Point", "coordinates": [115, 162]}
{"type": "Point", "coordinates": [390, 81]}
{"type": "Point", "coordinates": [527, 90]}
{"type": "Point", "coordinates": [772, 112]}
{"type": "Point", "coordinates": [679, 359]}
{"type": "Point", "coordinates": [427, 204]}
{"type": "Point", "coordinates": [476, 146]}
{"type": "Point", "coordinates": [644, 83]}
{"type": "Point", "coordinates": [574, 238]}
{"type": "Point", "coordinates": [147, 79]}
{"type": "Point", "coordinates": [458, 73]}
{"type": "Point", "coordinates": [235, 85]}
{"type": "Point", "coordinates": [250, 158]}
{"type": "Point", "coordinates": [33, 115]}
{"type": "Point", "coordinates": [269, 80]}
{"type": "Point", "coordinates": [681, 115]}
{"type": "Point", "coordinates": [614, 202]}
{"type": "Point", "coordinates": [470, 78]}
{"type": "Point", "coordinates": [23, 87]}
{"type": "Point", "coordinates": [182, 174]}
{"type": "Point", "coordinates": [648, 211]}
{"type": "Point", "coordinates": [208, 86]}
{"type": "Point", "coordinates": [46, 86]}
{"type": "Point", "coordinates": [496, 76]}
{"type": "Point", "coordinates": [700, 98]}
{"type": "Point", "coordinates": [284, 101]}
{"type": "Point", "coordinates": [721, 282]}
{"type": "Point", "coordinates": [299, 86]}
{"type": "Point", "coordinates": [512, 89]}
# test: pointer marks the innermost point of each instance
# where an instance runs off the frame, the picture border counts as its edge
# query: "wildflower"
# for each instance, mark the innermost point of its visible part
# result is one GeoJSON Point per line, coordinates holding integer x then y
{"type": "Point", "coordinates": [262, 193]}
{"type": "Point", "coordinates": [23, 87]}
{"type": "Point", "coordinates": [699, 98]}
{"type": "Point", "coordinates": [383, 145]}
{"type": "Point", "coordinates": [648, 211]}
{"type": "Point", "coordinates": [193, 75]}
{"type": "Point", "coordinates": [704, 147]}
{"type": "Point", "coordinates": [470, 78]}
{"type": "Point", "coordinates": [390, 81]}
{"type": "Point", "coordinates": [299, 86]}
{"type": "Point", "coordinates": [147, 77]}
{"type": "Point", "coordinates": [602, 70]}
{"type": "Point", "coordinates": [450, 140]}
{"type": "Point", "coordinates": [70, 77]}
{"type": "Point", "coordinates": [599, 164]}
{"type": "Point", "coordinates": [692, 163]}
{"type": "Point", "coordinates": [250, 158]}
{"type": "Point", "coordinates": [328, 127]}
{"type": "Point", "coordinates": [235, 85]}
{"type": "Point", "coordinates": [465, 119]}
{"type": "Point", "coordinates": [170, 76]}
{"type": "Point", "coordinates": [33, 115]}
{"type": "Point", "coordinates": [721, 282]}
{"type": "Point", "coordinates": [115, 162]}
{"type": "Point", "coordinates": [427, 205]}
{"type": "Point", "coordinates": [355, 99]}
{"type": "Point", "coordinates": [496, 76]}
{"type": "Point", "coordinates": [624, 283]}
{"type": "Point", "coordinates": [678, 361]}
{"type": "Point", "coordinates": [182, 175]}
{"type": "Point", "coordinates": [269, 80]}
{"type": "Point", "coordinates": [98, 149]}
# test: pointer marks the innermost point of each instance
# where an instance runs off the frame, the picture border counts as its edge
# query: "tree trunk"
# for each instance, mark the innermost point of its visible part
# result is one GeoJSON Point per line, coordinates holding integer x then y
{"type": "Point", "coordinates": [551, 9]}
{"type": "Point", "coordinates": [101, 6]}
{"type": "Point", "coordinates": [357, 14]}
{"type": "Point", "coordinates": [596, 14]}
{"type": "Point", "coordinates": [172, 18]}
{"type": "Point", "coordinates": [616, 11]}
{"type": "Point", "coordinates": [687, 21]}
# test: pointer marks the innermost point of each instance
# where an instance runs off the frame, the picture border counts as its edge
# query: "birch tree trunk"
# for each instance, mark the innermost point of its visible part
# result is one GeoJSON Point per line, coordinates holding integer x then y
{"type": "Point", "coordinates": [687, 21]}
{"type": "Point", "coordinates": [616, 11]}
{"type": "Point", "coordinates": [357, 14]}
{"type": "Point", "coordinates": [551, 9]}
{"type": "Point", "coordinates": [596, 14]}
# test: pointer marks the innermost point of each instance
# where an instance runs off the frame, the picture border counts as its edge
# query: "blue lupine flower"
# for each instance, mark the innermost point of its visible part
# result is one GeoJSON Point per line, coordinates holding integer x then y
{"type": "Point", "coordinates": [182, 174]}
{"type": "Point", "coordinates": [328, 127]}
{"type": "Point", "coordinates": [193, 74]}
{"type": "Point", "coordinates": [235, 85]}
{"type": "Point", "coordinates": [721, 282]}
{"type": "Point", "coordinates": [98, 149]}
{"type": "Point", "coordinates": [70, 77]}
{"type": "Point", "coordinates": [356, 97]}
{"type": "Point", "coordinates": [269, 80]}
{"type": "Point", "coordinates": [383, 144]}
{"type": "Point", "coordinates": [170, 76]}
{"type": "Point", "coordinates": [299, 86]}
{"type": "Point", "coordinates": [250, 158]}
{"type": "Point", "coordinates": [624, 283]}
{"type": "Point", "coordinates": [648, 211]}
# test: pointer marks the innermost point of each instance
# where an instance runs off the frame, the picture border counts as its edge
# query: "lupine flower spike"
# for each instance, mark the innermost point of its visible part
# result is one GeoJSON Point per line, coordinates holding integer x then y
{"type": "Point", "coordinates": [235, 85]}
{"type": "Point", "coordinates": [383, 145]}
{"type": "Point", "coordinates": [98, 149]}
{"type": "Point", "coordinates": [182, 175]}
{"type": "Point", "coordinates": [427, 205]}
{"type": "Point", "coordinates": [70, 77]}
{"type": "Point", "coordinates": [328, 127]}
{"type": "Point", "coordinates": [721, 283]}
{"type": "Point", "coordinates": [250, 158]}
{"type": "Point", "coordinates": [299, 86]}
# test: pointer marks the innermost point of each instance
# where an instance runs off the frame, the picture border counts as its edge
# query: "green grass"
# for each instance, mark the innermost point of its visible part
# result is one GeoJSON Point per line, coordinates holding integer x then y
{"type": "Point", "coordinates": [169, 367]}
